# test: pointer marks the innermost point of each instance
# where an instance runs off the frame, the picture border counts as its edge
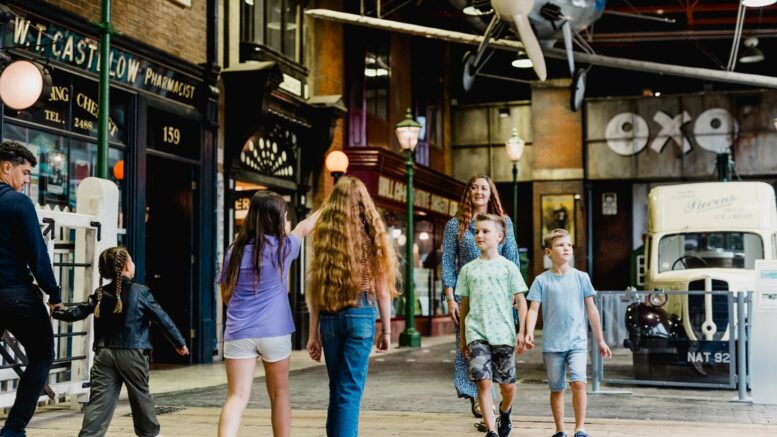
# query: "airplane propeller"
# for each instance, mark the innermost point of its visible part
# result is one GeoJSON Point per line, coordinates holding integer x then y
{"type": "Point", "coordinates": [518, 11]}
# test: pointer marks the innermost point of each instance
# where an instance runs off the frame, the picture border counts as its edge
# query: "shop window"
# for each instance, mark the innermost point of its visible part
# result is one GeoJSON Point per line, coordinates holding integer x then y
{"type": "Point", "coordinates": [376, 79]}
{"type": "Point", "coordinates": [62, 164]}
{"type": "Point", "coordinates": [276, 24]}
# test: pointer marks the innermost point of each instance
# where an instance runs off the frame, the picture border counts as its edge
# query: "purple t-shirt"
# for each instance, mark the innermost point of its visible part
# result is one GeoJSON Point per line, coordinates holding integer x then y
{"type": "Point", "coordinates": [261, 308]}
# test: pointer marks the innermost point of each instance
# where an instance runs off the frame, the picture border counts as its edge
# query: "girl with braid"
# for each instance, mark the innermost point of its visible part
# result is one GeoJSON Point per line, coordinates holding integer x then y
{"type": "Point", "coordinates": [354, 270]}
{"type": "Point", "coordinates": [122, 312]}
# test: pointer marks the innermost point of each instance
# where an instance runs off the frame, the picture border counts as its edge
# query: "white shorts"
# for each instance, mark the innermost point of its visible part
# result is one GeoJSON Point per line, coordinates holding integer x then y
{"type": "Point", "coordinates": [270, 349]}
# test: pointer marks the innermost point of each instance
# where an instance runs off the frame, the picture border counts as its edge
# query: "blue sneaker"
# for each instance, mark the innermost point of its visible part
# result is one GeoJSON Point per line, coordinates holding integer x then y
{"type": "Point", "coordinates": [582, 434]}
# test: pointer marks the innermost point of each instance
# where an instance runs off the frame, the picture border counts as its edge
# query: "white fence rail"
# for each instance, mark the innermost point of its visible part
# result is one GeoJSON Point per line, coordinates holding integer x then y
{"type": "Point", "coordinates": [75, 241]}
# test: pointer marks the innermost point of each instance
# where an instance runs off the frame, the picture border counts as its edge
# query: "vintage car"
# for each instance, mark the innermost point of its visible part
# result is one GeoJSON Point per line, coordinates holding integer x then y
{"type": "Point", "coordinates": [700, 237]}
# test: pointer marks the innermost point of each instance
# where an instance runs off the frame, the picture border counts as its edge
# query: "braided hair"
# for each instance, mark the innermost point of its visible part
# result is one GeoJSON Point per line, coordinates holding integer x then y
{"type": "Point", "coordinates": [110, 266]}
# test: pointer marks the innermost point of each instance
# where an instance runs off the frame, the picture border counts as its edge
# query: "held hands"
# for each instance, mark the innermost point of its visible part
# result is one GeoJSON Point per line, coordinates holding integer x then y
{"type": "Point", "coordinates": [528, 342]}
{"type": "Point", "coordinates": [314, 348]}
{"type": "Point", "coordinates": [55, 306]}
{"type": "Point", "coordinates": [520, 344]}
{"type": "Point", "coordinates": [182, 351]}
{"type": "Point", "coordinates": [604, 350]}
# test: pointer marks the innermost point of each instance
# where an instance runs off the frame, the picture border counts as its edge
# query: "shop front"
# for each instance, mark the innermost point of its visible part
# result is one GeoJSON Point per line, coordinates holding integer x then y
{"type": "Point", "coordinates": [435, 200]}
{"type": "Point", "coordinates": [159, 156]}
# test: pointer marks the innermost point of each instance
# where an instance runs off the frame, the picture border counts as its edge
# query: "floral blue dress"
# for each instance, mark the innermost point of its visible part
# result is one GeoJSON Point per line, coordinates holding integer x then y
{"type": "Point", "coordinates": [456, 253]}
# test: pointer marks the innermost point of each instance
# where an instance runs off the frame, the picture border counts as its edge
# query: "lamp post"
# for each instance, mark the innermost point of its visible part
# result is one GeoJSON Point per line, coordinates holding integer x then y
{"type": "Point", "coordinates": [407, 133]}
{"type": "Point", "coordinates": [515, 146]}
{"type": "Point", "coordinates": [336, 164]}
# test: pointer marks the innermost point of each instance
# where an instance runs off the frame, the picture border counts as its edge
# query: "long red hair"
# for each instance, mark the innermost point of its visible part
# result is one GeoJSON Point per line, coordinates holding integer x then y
{"type": "Point", "coordinates": [464, 214]}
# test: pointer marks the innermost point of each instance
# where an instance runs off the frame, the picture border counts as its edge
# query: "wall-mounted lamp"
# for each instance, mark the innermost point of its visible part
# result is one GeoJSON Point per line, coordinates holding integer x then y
{"type": "Point", "coordinates": [336, 163]}
{"type": "Point", "coordinates": [23, 83]}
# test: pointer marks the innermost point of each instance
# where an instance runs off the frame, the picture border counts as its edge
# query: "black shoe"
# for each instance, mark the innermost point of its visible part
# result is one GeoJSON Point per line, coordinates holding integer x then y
{"type": "Point", "coordinates": [504, 424]}
{"type": "Point", "coordinates": [481, 426]}
{"type": "Point", "coordinates": [492, 434]}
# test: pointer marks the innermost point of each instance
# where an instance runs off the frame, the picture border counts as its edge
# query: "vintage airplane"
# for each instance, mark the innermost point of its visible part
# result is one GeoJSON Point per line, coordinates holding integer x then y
{"type": "Point", "coordinates": [552, 20]}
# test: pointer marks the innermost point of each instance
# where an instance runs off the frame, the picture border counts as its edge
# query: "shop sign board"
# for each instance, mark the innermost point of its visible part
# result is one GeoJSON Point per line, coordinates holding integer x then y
{"type": "Point", "coordinates": [57, 43]}
{"type": "Point", "coordinates": [395, 190]}
{"type": "Point", "coordinates": [680, 136]}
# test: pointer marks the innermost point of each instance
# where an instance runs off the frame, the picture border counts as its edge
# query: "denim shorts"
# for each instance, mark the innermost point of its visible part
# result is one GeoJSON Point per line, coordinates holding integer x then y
{"type": "Point", "coordinates": [270, 349]}
{"type": "Point", "coordinates": [557, 364]}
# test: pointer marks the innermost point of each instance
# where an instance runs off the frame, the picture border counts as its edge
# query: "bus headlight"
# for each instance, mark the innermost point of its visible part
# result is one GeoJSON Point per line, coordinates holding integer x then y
{"type": "Point", "coordinates": [657, 298]}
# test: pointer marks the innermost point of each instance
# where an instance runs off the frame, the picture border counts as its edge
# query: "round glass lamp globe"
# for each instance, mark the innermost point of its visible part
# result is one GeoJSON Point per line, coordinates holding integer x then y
{"type": "Point", "coordinates": [21, 85]}
{"type": "Point", "coordinates": [336, 162]}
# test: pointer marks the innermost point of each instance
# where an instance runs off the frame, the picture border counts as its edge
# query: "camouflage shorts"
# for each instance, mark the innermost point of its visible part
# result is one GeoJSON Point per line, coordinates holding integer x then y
{"type": "Point", "coordinates": [496, 363]}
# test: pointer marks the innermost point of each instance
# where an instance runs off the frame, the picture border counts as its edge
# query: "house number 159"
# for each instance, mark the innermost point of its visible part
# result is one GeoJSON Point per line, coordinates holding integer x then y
{"type": "Point", "coordinates": [171, 134]}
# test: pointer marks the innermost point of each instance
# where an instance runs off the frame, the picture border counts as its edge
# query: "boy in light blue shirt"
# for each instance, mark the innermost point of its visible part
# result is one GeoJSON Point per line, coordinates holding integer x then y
{"type": "Point", "coordinates": [566, 296]}
{"type": "Point", "coordinates": [489, 286]}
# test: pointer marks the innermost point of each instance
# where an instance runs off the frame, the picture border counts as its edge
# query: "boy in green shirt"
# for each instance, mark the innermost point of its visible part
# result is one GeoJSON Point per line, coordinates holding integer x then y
{"type": "Point", "coordinates": [490, 285]}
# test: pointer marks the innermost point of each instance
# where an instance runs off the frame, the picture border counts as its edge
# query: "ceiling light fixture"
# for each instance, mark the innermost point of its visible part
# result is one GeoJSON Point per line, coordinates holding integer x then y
{"type": "Point", "coordinates": [504, 111]}
{"type": "Point", "coordinates": [758, 3]}
{"type": "Point", "coordinates": [750, 53]}
{"type": "Point", "coordinates": [476, 8]}
{"type": "Point", "coordinates": [522, 61]}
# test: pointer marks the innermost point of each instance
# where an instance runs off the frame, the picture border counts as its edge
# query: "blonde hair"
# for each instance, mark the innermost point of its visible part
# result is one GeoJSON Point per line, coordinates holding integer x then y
{"type": "Point", "coordinates": [547, 241]}
{"type": "Point", "coordinates": [110, 266]}
{"type": "Point", "coordinates": [464, 214]}
{"type": "Point", "coordinates": [349, 230]}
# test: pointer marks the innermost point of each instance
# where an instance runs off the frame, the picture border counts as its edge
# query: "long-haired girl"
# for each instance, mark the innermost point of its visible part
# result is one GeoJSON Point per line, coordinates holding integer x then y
{"type": "Point", "coordinates": [259, 320]}
{"type": "Point", "coordinates": [458, 248]}
{"type": "Point", "coordinates": [354, 266]}
{"type": "Point", "coordinates": [122, 312]}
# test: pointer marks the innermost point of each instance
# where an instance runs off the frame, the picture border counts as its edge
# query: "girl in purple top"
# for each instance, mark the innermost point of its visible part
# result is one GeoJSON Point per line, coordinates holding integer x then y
{"type": "Point", "coordinates": [259, 322]}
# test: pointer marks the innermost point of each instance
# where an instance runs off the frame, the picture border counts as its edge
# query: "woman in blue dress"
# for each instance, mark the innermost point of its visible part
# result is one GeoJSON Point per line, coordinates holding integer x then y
{"type": "Point", "coordinates": [458, 248]}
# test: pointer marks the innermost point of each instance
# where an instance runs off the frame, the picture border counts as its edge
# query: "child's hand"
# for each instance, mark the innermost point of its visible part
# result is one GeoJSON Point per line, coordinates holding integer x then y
{"type": "Point", "coordinates": [520, 344]}
{"type": "Point", "coordinates": [464, 349]}
{"type": "Point", "coordinates": [384, 342]}
{"type": "Point", "coordinates": [604, 350]}
{"type": "Point", "coordinates": [453, 311]}
{"type": "Point", "coordinates": [528, 342]}
{"type": "Point", "coordinates": [182, 351]}
{"type": "Point", "coordinates": [314, 349]}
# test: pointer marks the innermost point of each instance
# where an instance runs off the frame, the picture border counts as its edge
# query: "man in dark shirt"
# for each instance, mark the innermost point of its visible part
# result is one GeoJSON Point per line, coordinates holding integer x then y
{"type": "Point", "coordinates": [23, 255]}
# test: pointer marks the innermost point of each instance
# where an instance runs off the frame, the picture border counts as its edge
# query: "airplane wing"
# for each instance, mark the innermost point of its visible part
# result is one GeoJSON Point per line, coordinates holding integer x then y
{"type": "Point", "coordinates": [755, 80]}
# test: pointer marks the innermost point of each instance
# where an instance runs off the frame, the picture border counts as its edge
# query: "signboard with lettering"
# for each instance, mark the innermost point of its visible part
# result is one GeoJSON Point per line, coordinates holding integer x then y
{"type": "Point", "coordinates": [680, 136]}
{"type": "Point", "coordinates": [55, 42]}
{"type": "Point", "coordinates": [173, 134]}
{"type": "Point", "coordinates": [394, 190]}
{"type": "Point", "coordinates": [72, 105]}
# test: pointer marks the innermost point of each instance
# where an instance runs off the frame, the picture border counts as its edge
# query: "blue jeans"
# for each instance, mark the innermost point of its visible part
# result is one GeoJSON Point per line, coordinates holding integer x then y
{"type": "Point", "coordinates": [346, 337]}
{"type": "Point", "coordinates": [24, 315]}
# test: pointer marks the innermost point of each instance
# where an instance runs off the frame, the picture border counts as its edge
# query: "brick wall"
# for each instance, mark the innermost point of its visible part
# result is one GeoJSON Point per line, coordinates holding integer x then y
{"type": "Point", "coordinates": [325, 59]}
{"type": "Point", "coordinates": [179, 31]}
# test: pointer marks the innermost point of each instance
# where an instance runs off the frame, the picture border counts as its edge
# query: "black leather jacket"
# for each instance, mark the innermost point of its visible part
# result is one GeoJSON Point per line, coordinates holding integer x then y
{"type": "Point", "coordinates": [128, 329]}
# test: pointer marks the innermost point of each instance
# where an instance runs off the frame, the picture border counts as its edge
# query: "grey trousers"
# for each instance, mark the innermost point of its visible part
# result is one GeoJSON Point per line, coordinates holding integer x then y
{"type": "Point", "coordinates": [112, 367]}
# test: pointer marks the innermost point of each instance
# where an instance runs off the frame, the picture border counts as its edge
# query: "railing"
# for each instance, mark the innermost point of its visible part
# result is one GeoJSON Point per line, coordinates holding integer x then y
{"type": "Point", "coordinates": [75, 241]}
{"type": "Point", "coordinates": [696, 339]}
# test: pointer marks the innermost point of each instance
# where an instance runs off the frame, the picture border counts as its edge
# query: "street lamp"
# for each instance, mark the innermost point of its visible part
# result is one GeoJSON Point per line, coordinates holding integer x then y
{"type": "Point", "coordinates": [336, 164]}
{"type": "Point", "coordinates": [407, 133]}
{"type": "Point", "coordinates": [515, 146]}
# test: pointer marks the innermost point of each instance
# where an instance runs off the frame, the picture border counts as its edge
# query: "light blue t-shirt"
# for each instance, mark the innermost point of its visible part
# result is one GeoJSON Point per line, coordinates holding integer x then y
{"type": "Point", "coordinates": [563, 309]}
{"type": "Point", "coordinates": [490, 286]}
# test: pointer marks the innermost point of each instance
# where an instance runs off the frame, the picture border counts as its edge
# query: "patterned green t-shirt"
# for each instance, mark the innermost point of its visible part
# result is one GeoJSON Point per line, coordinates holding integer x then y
{"type": "Point", "coordinates": [490, 286]}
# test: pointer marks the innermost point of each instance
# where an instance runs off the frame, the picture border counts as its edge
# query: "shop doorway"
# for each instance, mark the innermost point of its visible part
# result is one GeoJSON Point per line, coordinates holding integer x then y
{"type": "Point", "coordinates": [170, 246]}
